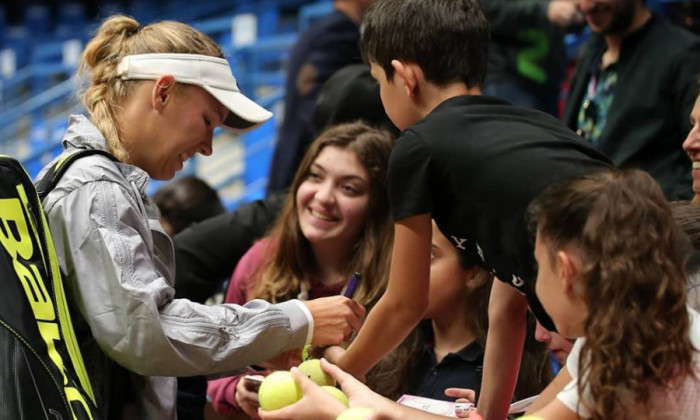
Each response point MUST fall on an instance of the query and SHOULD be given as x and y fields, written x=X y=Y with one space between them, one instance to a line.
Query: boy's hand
x=336 y=318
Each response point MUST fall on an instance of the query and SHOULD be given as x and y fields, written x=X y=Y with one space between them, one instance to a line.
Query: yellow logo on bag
x=17 y=241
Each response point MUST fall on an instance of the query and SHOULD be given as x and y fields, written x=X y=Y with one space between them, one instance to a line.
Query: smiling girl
x=335 y=221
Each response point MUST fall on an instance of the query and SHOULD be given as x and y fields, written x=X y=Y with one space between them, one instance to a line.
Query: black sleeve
x=409 y=178
x=206 y=253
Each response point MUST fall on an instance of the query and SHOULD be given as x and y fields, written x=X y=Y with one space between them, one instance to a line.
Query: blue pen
x=352 y=285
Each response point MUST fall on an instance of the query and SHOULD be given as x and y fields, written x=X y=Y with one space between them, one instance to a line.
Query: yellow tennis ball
x=529 y=418
x=336 y=393
x=356 y=413
x=312 y=369
x=277 y=390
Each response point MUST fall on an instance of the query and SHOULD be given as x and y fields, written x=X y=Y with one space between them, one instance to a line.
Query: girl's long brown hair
x=291 y=257
x=634 y=284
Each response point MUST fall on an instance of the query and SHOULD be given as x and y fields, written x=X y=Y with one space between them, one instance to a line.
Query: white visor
x=211 y=73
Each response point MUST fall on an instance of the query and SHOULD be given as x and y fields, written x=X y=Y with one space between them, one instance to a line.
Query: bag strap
x=55 y=172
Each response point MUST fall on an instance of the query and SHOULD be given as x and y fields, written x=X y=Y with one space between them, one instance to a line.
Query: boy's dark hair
x=448 y=39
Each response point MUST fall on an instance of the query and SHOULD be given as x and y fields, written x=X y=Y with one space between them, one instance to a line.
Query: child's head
x=343 y=174
x=559 y=346
x=447 y=39
x=185 y=201
x=456 y=285
x=610 y=270
x=604 y=236
x=338 y=199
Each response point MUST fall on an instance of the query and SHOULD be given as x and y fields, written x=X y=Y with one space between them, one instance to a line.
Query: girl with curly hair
x=611 y=274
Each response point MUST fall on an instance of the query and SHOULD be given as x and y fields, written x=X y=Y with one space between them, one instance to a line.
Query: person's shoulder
x=261 y=247
x=460 y=115
x=663 y=24
x=574 y=355
x=672 y=37
x=443 y=118
x=90 y=169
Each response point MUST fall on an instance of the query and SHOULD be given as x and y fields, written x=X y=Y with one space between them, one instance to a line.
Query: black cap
x=349 y=95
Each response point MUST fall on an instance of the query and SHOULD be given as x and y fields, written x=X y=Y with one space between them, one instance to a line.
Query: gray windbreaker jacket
x=119 y=268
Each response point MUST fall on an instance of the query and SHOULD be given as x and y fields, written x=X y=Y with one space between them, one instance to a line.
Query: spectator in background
x=527 y=59
x=185 y=201
x=331 y=43
x=633 y=90
x=687 y=214
x=691 y=146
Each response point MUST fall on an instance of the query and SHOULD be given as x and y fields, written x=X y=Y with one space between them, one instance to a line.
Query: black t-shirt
x=474 y=164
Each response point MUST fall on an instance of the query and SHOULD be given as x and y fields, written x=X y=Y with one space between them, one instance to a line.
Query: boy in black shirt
x=472 y=163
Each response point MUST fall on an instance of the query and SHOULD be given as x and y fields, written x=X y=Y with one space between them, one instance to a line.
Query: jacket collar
x=629 y=42
x=83 y=134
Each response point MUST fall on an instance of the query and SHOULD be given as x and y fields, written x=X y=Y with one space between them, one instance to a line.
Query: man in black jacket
x=634 y=88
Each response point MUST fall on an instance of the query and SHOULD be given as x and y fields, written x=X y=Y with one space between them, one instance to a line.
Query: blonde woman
x=154 y=95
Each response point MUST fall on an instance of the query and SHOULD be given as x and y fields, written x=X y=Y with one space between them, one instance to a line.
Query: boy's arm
x=401 y=307
x=504 y=349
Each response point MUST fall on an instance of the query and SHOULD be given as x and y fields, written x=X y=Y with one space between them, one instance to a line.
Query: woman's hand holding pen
x=335 y=319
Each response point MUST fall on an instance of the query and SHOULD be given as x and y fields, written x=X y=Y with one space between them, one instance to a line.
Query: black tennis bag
x=42 y=375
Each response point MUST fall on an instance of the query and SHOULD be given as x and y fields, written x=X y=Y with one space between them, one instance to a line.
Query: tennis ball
x=277 y=390
x=336 y=393
x=529 y=418
x=312 y=369
x=356 y=413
